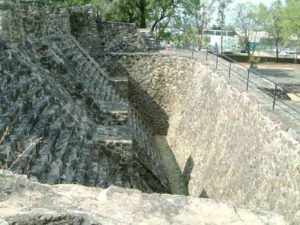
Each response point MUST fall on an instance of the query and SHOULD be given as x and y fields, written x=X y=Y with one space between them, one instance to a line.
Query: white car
x=283 y=53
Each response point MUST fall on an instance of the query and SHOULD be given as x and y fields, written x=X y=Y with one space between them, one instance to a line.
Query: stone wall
x=225 y=144
x=96 y=36
x=143 y=130
x=151 y=91
x=24 y=202
x=4 y=17
x=62 y=120
x=120 y=37
x=145 y=146
x=84 y=27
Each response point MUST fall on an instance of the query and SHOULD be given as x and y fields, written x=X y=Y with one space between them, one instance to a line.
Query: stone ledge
x=22 y=200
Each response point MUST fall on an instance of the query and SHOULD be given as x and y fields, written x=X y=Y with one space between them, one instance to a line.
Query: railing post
x=229 y=72
x=193 y=52
x=206 y=54
x=248 y=77
x=274 y=96
x=217 y=60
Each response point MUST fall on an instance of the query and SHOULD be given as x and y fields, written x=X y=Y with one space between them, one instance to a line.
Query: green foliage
x=253 y=61
x=246 y=22
x=271 y=21
x=189 y=18
x=291 y=21
x=206 y=41
x=116 y=10
x=71 y=2
x=145 y=13
x=194 y=16
x=222 y=5
x=221 y=16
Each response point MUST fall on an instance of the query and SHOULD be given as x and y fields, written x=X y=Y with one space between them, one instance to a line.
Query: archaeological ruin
x=98 y=127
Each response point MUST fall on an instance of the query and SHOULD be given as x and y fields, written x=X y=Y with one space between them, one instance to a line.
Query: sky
x=266 y=2
x=232 y=6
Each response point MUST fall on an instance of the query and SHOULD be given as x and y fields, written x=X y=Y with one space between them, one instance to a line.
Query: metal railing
x=276 y=86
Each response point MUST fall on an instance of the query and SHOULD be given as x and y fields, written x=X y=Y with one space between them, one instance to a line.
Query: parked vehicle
x=213 y=49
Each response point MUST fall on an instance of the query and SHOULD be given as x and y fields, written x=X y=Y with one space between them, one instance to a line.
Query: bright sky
x=231 y=7
x=266 y=2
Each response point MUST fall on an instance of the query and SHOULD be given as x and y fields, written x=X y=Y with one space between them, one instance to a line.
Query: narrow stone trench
x=176 y=180
x=69 y=114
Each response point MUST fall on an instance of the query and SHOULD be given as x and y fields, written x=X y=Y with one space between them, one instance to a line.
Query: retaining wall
x=225 y=144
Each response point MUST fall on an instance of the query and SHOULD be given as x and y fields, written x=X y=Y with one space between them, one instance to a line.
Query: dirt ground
x=279 y=72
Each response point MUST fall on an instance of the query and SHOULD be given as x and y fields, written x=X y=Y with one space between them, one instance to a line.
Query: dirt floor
x=279 y=72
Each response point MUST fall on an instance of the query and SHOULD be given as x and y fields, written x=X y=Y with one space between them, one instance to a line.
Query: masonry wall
x=84 y=27
x=54 y=92
x=226 y=146
x=120 y=37
x=145 y=146
x=145 y=90
x=97 y=36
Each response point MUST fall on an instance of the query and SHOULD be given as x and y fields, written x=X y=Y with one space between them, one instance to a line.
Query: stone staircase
x=106 y=112
x=97 y=85
x=149 y=39
x=62 y=119
x=49 y=136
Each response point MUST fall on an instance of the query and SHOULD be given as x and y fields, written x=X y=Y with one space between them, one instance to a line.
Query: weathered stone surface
x=225 y=144
x=62 y=119
x=99 y=36
x=24 y=202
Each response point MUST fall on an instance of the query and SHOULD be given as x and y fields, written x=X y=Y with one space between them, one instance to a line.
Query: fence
x=219 y=59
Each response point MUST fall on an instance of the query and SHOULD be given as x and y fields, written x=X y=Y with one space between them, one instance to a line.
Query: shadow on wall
x=188 y=168
x=145 y=103
x=157 y=120
x=171 y=168
x=150 y=111
x=153 y=115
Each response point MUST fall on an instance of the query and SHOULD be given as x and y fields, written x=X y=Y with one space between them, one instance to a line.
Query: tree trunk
x=201 y=29
x=248 y=49
x=162 y=28
x=155 y=24
x=221 y=41
x=142 y=8
x=143 y=20
x=277 y=50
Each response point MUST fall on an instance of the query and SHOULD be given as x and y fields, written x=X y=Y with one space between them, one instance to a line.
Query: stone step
x=110 y=147
x=121 y=85
x=106 y=112
x=79 y=63
x=114 y=113
x=122 y=133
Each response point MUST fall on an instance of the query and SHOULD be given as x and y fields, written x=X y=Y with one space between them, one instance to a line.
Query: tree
x=130 y=11
x=145 y=13
x=291 y=23
x=271 y=21
x=197 y=13
x=221 y=17
x=71 y=2
x=162 y=10
x=246 y=24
